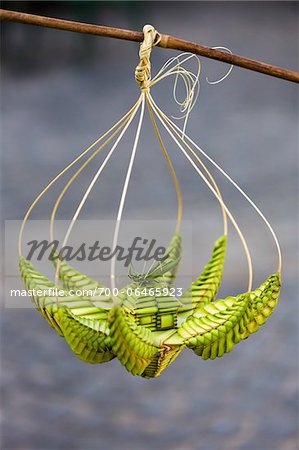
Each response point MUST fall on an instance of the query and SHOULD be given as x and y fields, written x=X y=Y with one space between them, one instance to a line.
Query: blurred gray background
x=60 y=91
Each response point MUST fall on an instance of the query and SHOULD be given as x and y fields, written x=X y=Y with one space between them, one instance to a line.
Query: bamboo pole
x=167 y=41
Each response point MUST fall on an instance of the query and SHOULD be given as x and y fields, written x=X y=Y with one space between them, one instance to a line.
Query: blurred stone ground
x=53 y=105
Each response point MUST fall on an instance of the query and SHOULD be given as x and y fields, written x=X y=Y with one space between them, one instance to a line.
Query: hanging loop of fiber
x=143 y=70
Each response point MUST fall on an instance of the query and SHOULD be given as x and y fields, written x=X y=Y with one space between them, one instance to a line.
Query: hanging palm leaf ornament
x=147 y=332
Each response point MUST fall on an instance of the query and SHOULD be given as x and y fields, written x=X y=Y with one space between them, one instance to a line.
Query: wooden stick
x=166 y=41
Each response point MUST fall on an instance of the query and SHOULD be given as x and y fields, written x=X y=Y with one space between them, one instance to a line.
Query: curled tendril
x=227 y=73
x=175 y=67
x=190 y=78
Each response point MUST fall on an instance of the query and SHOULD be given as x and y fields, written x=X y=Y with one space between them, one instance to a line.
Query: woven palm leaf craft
x=146 y=332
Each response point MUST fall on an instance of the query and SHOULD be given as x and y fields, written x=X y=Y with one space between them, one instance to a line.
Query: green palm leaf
x=214 y=328
x=70 y=278
x=131 y=343
x=83 y=324
x=88 y=343
x=204 y=289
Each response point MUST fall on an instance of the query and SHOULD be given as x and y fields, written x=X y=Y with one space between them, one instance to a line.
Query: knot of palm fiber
x=143 y=71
